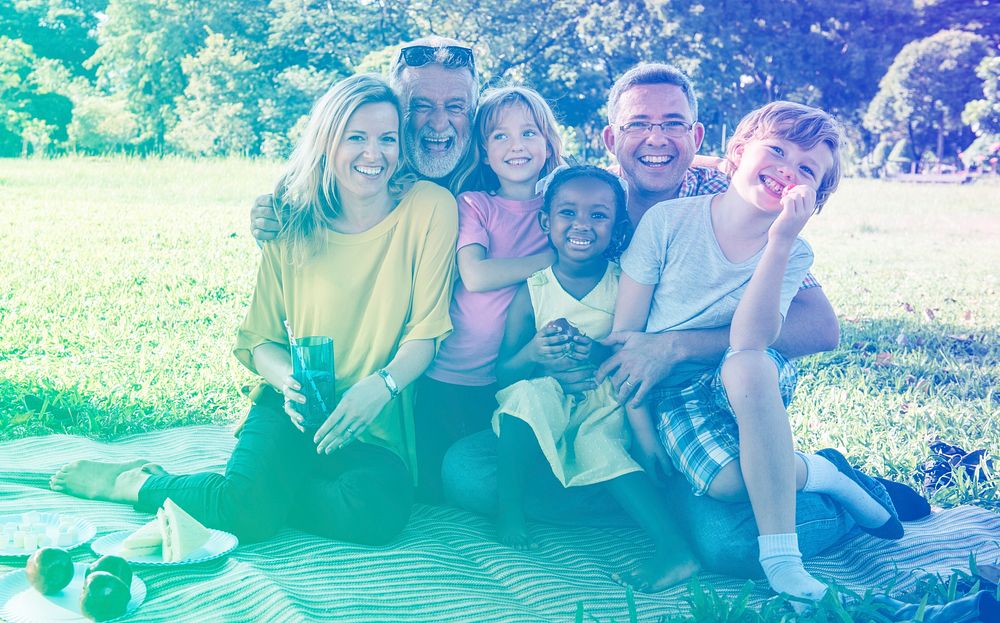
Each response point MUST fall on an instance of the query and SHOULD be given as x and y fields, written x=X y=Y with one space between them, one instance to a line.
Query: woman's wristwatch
x=390 y=383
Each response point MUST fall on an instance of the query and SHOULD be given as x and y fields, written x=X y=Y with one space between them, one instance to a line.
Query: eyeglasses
x=453 y=57
x=673 y=129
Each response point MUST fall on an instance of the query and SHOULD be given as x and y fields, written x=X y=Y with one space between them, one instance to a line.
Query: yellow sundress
x=584 y=437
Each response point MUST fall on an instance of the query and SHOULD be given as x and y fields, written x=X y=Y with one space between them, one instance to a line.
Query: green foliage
x=817 y=52
x=983 y=115
x=840 y=605
x=143 y=44
x=33 y=113
x=278 y=55
x=923 y=93
x=102 y=124
x=62 y=30
x=216 y=115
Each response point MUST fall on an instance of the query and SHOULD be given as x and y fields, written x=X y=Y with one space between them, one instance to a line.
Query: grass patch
x=128 y=278
x=840 y=605
x=125 y=281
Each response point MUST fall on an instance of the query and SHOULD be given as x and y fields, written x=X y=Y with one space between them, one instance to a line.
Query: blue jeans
x=724 y=535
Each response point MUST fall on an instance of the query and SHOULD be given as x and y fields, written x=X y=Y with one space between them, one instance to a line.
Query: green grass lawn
x=125 y=280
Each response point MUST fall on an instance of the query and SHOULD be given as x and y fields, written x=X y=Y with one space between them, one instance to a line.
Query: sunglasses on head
x=453 y=56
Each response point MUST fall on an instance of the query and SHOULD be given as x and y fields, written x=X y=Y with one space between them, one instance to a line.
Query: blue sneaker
x=891 y=529
x=910 y=505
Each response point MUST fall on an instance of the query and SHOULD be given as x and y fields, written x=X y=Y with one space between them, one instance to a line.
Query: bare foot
x=513 y=532
x=95 y=480
x=658 y=573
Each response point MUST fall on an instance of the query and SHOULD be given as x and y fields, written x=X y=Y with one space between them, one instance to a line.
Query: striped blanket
x=444 y=567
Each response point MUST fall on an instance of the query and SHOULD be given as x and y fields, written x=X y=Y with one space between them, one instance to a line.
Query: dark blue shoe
x=910 y=505
x=891 y=529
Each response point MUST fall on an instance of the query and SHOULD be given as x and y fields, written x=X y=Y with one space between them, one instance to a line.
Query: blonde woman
x=363 y=257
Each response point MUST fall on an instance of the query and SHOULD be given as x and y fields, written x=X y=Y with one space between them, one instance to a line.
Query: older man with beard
x=438 y=87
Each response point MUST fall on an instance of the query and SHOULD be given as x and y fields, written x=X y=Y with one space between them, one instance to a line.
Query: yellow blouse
x=370 y=292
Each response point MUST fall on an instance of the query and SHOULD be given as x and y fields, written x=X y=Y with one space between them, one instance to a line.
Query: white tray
x=21 y=603
x=84 y=530
x=219 y=544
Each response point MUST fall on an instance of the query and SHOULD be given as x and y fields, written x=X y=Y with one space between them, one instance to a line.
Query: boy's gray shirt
x=697 y=287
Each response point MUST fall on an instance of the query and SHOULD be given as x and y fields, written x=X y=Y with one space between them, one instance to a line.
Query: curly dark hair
x=623 y=226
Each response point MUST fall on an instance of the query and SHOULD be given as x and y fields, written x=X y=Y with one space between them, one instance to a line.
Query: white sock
x=782 y=563
x=822 y=476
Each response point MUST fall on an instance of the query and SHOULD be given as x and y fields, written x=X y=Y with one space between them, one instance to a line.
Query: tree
x=983 y=116
x=101 y=124
x=56 y=29
x=218 y=111
x=33 y=111
x=975 y=16
x=142 y=44
x=821 y=52
x=923 y=93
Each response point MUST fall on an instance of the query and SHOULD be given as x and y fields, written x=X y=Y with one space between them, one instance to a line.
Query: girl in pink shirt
x=500 y=244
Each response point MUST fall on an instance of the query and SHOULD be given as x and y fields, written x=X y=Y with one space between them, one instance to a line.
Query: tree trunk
x=940 y=145
x=914 y=165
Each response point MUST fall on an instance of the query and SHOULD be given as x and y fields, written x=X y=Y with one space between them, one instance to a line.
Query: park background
x=135 y=135
x=914 y=81
x=146 y=128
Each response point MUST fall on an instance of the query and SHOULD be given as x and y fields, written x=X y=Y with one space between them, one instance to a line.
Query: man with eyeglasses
x=654 y=135
x=438 y=87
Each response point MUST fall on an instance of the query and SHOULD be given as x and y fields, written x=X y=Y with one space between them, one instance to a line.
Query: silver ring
x=350 y=431
x=629 y=383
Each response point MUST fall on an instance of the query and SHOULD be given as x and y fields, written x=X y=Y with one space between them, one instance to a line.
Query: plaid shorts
x=697 y=425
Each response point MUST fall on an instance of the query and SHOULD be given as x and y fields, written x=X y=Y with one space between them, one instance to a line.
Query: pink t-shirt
x=506 y=228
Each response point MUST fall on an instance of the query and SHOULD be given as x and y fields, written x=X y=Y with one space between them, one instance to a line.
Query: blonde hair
x=474 y=171
x=306 y=193
x=803 y=125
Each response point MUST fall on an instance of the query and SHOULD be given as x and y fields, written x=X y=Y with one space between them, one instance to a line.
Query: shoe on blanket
x=891 y=529
x=910 y=505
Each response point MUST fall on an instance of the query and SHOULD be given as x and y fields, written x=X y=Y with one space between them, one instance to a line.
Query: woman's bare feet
x=658 y=573
x=512 y=531
x=95 y=480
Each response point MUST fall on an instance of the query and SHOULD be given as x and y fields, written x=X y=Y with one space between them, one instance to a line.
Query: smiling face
x=368 y=152
x=767 y=166
x=438 y=105
x=653 y=163
x=581 y=219
x=516 y=148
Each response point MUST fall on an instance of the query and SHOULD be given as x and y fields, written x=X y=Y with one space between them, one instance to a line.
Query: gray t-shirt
x=697 y=287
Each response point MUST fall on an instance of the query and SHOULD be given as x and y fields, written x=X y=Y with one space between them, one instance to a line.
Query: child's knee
x=728 y=485
x=748 y=369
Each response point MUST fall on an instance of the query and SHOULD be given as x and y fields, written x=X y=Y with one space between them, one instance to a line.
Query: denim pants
x=361 y=493
x=724 y=535
x=443 y=414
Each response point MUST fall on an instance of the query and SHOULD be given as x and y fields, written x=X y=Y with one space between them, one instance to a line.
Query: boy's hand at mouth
x=798 y=203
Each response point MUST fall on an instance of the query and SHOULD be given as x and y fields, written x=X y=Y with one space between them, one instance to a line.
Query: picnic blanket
x=444 y=567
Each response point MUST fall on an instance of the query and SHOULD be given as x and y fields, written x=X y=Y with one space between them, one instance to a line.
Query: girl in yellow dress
x=557 y=315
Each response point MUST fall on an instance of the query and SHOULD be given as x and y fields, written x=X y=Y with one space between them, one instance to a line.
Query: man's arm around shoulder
x=810 y=326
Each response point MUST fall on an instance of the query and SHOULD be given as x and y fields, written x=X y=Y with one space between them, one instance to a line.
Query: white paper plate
x=219 y=544
x=84 y=530
x=21 y=603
